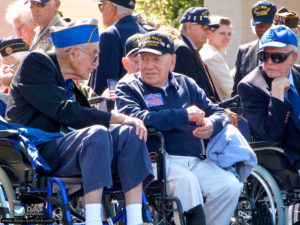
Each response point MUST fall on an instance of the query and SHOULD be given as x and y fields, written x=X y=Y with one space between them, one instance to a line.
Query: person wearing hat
x=13 y=50
x=270 y=93
x=175 y=105
x=45 y=14
x=262 y=18
x=43 y=96
x=19 y=16
x=288 y=18
x=194 y=30
x=117 y=16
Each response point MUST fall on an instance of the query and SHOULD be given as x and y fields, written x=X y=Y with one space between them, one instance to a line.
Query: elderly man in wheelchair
x=175 y=105
x=43 y=96
x=271 y=104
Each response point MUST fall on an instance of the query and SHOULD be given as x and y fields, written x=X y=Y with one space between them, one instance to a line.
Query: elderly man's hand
x=205 y=131
x=119 y=118
x=279 y=86
x=233 y=117
x=195 y=114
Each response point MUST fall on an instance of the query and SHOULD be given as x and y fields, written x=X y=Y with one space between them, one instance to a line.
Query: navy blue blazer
x=269 y=118
x=189 y=63
x=246 y=61
x=111 y=47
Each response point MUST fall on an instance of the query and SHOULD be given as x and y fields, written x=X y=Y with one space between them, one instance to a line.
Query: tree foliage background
x=169 y=11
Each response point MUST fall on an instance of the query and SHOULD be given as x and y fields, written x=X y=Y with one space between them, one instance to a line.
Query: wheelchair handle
x=231 y=102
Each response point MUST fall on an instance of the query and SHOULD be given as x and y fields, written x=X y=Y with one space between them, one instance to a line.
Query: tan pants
x=190 y=179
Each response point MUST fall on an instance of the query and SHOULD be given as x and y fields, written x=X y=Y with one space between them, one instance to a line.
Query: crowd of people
x=162 y=77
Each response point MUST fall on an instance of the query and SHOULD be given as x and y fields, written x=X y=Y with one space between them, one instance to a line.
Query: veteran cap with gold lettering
x=156 y=43
x=263 y=12
x=9 y=46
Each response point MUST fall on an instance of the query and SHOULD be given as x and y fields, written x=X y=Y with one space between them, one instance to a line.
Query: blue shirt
x=166 y=110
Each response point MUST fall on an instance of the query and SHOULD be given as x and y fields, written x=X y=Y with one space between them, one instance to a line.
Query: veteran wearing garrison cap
x=12 y=51
x=171 y=103
x=270 y=93
x=194 y=25
x=262 y=18
x=117 y=16
x=43 y=95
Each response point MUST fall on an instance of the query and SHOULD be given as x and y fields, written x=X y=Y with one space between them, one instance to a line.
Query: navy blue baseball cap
x=278 y=36
x=130 y=4
x=132 y=44
x=263 y=12
x=198 y=15
x=156 y=43
x=39 y=1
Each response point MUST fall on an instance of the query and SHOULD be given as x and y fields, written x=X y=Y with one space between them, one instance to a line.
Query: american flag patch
x=112 y=84
x=154 y=100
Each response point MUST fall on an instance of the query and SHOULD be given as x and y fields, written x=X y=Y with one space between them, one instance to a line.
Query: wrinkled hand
x=195 y=114
x=140 y=129
x=205 y=131
x=279 y=86
x=233 y=117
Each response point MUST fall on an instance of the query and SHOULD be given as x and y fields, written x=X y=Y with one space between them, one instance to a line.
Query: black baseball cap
x=130 y=4
x=132 y=44
x=156 y=43
x=12 y=45
x=197 y=15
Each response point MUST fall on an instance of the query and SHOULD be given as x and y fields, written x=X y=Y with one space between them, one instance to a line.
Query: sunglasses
x=276 y=57
x=101 y=6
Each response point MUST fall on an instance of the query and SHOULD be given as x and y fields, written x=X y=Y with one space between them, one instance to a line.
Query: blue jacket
x=111 y=47
x=166 y=110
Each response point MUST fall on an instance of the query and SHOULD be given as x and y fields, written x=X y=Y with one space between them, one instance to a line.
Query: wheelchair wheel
x=261 y=202
x=7 y=196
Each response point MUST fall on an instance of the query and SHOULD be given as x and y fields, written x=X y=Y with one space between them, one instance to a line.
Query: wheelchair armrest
x=263 y=144
x=154 y=132
x=8 y=133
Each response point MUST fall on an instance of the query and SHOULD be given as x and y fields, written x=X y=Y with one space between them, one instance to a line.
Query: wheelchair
x=32 y=196
x=271 y=193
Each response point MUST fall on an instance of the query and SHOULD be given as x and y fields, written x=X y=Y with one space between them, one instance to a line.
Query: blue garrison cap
x=263 y=12
x=278 y=36
x=40 y=1
x=76 y=33
x=198 y=15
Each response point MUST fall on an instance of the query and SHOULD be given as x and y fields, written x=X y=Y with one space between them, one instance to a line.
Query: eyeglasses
x=276 y=57
x=37 y=5
x=101 y=6
x=94 y=58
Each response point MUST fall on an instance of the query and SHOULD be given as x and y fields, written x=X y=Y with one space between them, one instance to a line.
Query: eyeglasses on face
x=94 y=58
x=101 y=5
x=276 y=57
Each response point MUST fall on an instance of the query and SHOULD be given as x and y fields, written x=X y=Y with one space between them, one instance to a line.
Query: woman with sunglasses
x=270 y=93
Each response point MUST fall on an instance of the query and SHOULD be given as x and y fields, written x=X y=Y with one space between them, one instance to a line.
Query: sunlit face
x=24 y=31
x=155 y=68
x=86 y=61
x=221 y=37
x=133 y=63
x=261 y=28
x=43 y=13
x=198 y=34
x=107 y=12
x=275 y=70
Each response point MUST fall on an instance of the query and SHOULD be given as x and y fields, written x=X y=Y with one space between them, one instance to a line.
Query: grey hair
x=20 y=11
x=182 y=28
x=292 y=48
x=121 y=9
x=19 y=56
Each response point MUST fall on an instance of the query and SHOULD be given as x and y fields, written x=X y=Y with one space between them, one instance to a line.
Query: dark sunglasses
x=276 y=57
x=101 y=6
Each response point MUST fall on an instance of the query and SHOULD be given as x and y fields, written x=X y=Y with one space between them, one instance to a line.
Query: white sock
x=93 y=214
x=134 y=214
